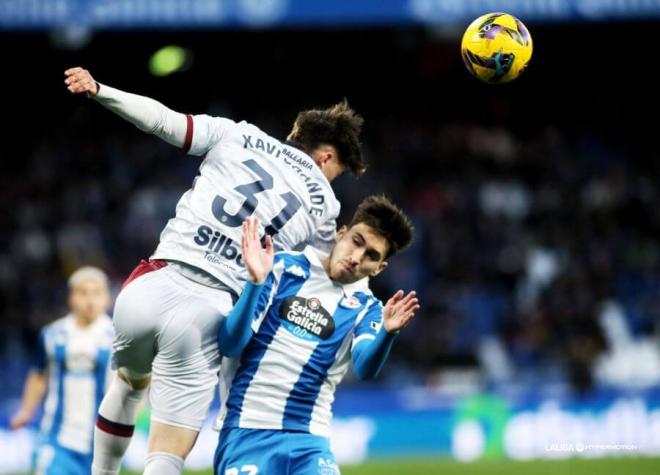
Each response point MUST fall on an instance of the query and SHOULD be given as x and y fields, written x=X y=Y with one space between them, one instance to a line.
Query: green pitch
x=610 y=466
x=563 y=467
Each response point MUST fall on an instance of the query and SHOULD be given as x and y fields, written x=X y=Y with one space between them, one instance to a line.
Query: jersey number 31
x=250 y=191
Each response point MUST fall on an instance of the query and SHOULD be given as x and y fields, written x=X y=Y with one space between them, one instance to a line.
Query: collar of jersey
x=70 y=320
x=288 y=143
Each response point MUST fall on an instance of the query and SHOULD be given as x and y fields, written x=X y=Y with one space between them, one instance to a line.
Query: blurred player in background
x=168 y=314
x=304 y=317
x=70 y=368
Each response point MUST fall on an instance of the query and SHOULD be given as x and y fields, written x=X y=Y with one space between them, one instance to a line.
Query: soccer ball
x=496 y=47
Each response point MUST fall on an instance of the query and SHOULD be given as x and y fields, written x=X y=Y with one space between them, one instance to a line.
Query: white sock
x=163 y=463
x=114 y=426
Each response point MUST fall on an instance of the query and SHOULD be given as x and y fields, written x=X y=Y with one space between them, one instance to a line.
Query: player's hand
x=79 y=81
x=258 y=260
x=19 y=420
x=399 y=310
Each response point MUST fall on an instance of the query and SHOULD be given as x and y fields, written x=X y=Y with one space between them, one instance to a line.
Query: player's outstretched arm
x=145 y=113
x=370 y=355
x=33 y=393
x=236 y=329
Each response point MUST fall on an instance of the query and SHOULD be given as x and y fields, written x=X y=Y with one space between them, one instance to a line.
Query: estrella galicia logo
x=307 y=318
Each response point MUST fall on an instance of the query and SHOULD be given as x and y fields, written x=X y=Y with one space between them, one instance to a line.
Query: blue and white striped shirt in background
x=77 y=360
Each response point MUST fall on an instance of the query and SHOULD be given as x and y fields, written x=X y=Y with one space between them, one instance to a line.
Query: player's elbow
x=364 y=372
x=362 y=376
x=232 y=344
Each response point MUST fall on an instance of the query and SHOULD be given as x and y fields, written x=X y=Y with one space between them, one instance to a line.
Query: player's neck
x=83 y=322
x=325 y=262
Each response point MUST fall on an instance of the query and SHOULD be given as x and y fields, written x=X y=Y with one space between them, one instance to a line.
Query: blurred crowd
x=536 y=257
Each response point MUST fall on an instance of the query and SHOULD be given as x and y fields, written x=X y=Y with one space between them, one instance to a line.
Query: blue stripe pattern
x=100 y=374
x=289 y=285
x=302 y=398
x=60 y=359
x=39 y=359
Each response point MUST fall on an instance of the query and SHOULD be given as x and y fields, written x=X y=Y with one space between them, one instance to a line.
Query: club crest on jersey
x=350 y=302
x=313 y=303
x=307 y=318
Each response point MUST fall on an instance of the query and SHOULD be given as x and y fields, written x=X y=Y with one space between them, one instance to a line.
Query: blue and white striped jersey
x=77 y=360
x=304 y=330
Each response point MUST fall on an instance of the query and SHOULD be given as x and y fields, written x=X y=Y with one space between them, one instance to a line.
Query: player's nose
x=356 y=256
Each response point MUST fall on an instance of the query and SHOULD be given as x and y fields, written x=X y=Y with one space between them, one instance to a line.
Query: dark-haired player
x=299 y=323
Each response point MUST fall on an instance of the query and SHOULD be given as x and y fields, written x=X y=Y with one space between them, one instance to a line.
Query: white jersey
x=305 y=327
x=78 y=361
x=246 y=172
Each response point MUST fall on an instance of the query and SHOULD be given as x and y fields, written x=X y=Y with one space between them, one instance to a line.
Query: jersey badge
x=350 y=302
x=314 y=303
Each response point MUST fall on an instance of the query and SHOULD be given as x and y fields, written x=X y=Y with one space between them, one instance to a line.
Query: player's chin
x=343 y=276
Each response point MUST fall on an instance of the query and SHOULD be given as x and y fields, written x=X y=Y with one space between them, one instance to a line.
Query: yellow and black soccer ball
x=496 y=47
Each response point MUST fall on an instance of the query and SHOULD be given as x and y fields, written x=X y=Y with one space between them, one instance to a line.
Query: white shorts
x=167 y=325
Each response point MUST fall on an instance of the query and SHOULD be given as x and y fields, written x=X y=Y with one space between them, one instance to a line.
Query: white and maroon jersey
x=246 y=172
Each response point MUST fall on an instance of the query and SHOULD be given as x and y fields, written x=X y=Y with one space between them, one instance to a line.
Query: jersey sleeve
x=204 y=131
x=369 y=323
x=248 y=313
x=371 y=343
x=236 y=328
x=268 y=291
x=146 y=114
x=39 y=360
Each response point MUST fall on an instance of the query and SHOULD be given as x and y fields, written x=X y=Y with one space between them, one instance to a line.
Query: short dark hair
x=339 y=126
x=388 y=220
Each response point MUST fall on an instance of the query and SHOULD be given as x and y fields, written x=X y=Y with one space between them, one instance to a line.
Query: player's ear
x=381 y=267
x=324 y=154
x=341 y=232
x=325 y=158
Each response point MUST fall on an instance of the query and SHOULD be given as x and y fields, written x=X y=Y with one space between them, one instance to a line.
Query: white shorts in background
x=167 y=325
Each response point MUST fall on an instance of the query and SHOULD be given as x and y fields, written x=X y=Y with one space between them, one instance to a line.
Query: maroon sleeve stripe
x=114 y=428
x=189 y=134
